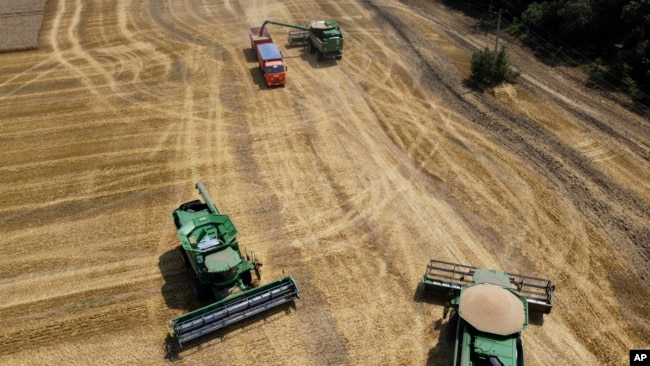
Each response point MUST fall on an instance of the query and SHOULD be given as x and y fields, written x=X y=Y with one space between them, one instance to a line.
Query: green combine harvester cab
x=324 y=37
x=489 y=309
x=209 y=247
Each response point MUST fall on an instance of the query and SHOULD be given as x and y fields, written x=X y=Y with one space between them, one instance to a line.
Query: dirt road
x=349 y=178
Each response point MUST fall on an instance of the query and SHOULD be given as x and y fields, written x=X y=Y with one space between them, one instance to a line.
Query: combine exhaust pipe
x=233 y=309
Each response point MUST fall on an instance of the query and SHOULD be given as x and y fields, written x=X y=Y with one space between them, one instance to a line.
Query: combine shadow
x=441 y=354
x=536 y=318
x=177 y=289
x=429 y=298
x=303 y=55
x=314 y=63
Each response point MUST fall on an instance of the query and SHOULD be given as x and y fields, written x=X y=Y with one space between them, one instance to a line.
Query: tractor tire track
x=349 y=178
x=555 y=159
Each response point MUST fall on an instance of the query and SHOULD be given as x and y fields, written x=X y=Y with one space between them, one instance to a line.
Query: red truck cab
x=269 y=57
x=271 y=64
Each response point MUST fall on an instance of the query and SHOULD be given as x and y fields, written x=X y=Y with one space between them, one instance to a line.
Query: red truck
x=268 y=55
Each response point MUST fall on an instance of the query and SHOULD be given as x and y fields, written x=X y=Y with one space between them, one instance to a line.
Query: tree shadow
x=471 y=8
x=473 y=86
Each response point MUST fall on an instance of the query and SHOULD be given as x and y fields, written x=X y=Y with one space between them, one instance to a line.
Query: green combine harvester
x=324 y=37
x=489 y=309
x=209 y=247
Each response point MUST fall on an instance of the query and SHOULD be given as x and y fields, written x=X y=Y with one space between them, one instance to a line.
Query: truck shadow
x=258 y=78
x=255 y=72
x=249 y=55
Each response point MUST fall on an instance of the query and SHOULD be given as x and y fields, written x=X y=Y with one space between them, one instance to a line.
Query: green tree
x=490 y=69
x=632 y=63
x=575 y=17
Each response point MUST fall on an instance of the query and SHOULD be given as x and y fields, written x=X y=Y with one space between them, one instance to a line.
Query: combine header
x=443 y=277
x=489 y=309
x=209 y=247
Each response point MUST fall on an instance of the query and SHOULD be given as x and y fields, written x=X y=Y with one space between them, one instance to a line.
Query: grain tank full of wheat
x=489 y=309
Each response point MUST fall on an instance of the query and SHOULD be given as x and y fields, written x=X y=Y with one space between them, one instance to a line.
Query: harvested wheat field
x=349 y=178
x=20 y=21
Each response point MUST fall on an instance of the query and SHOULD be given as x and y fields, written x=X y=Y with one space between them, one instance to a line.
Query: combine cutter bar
x=442 y=277
x=233 y=309
x=537 y=291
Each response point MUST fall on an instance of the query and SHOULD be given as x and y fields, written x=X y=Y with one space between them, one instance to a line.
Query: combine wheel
x=247 y=278
x=193 y=206
x=186 y=261
x=452 y=328
x=311 y=46
x=319 y=55
x=201 y=291
x=170 y=347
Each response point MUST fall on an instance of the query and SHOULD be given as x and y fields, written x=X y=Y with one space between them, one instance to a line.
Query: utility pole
x=496 y=43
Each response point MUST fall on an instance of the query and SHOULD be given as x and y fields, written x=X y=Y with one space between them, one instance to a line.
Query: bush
x=490 y=70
